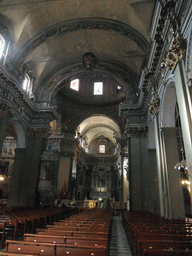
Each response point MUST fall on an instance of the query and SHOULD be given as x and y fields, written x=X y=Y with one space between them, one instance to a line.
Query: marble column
x=138 y=171
x=66 y=164
x=5 y=114
x=154 y=187
x=122 y=179
x=17 y=177
x=185 y=111
x=113 y=182
x=160 y=169
x=174 y=191
x=29 y=170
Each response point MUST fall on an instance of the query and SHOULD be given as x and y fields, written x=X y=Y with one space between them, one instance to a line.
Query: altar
x=90 y=203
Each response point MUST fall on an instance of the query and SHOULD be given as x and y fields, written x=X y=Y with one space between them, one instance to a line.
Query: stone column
x=66 y=164
x=5 y=114
x=174 y=191
x=138 y=169
x=154 y=110
x=113 y=182
x=27 y=169
x=154 y=188
x=185 y=111
x=122 y=179
x=17 y=177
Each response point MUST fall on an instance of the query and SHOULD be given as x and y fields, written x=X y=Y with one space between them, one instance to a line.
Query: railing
x=92 y=204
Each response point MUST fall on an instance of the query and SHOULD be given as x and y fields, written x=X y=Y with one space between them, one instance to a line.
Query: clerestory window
x=2 y=45
x=98 y=88
x=27 y=85
x=102 y=149
x=74 y=85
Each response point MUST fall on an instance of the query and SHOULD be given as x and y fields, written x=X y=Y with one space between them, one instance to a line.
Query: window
x=98 y=88
x=74 y=85
x=27 y=85
x=2 y=45
x=102 y=149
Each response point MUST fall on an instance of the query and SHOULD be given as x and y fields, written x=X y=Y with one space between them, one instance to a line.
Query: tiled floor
x=119 y=245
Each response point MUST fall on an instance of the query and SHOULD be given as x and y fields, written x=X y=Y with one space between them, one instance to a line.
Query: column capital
x=38 y=132
x=154 y=106
x=176 y=52
x=5 y=110
x=136 y=131
x=68 y=144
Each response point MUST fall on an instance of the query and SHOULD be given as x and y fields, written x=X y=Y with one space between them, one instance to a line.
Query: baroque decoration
x=154 y=106
x=89 y=60
x=176 y=53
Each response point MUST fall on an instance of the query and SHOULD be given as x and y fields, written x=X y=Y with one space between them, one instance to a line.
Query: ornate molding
x=136 y=131
x=154 y=107
x=176 y=53
x=68 y=145
x=38 y=132
x=5 y=111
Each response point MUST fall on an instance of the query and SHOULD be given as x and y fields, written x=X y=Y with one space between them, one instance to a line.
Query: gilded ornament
x=154 y=106
x=176 y=53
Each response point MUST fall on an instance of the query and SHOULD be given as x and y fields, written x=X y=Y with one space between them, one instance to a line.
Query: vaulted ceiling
x=51 y=36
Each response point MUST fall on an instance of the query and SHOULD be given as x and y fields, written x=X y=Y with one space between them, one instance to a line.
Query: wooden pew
x=162 y=245
x=157 y=236
x=33 y=248
x=16 y=254
x=73 y=233
x=164 y=252
x=54 y=249
x=66 y=239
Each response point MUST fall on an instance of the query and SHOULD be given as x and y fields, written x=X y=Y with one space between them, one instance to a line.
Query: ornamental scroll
x=176 y=53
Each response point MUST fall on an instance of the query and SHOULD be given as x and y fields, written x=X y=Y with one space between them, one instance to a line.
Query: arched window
x=74 y=85
x=27 y=85
x=102 y=149
x=98 y=88
x=2 y=46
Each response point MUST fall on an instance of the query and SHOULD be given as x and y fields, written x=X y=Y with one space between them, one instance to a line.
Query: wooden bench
x=165 y=252
x=66 y=239
x=56 y=249
x=27 y=247
x=76 y=233
x=162 y=245
x=16 y=254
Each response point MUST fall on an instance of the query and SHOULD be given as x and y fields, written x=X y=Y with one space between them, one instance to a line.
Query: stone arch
x=151 y=136
x=20 y=134
x=168 y=105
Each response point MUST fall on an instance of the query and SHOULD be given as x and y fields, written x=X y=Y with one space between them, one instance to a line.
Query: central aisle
x=118 y=245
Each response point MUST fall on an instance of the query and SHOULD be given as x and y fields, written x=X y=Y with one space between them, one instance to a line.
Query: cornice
x=22 y=106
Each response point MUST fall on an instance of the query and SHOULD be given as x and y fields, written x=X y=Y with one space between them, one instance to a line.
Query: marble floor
x=118 y=245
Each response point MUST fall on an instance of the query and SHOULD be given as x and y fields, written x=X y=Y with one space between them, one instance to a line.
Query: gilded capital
x=154 y=106
x=176 y=53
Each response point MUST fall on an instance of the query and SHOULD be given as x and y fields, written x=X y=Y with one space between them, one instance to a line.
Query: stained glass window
x=98 y=88
x=75 y=84
x=102 y=149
